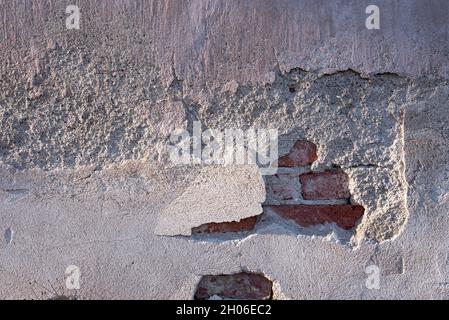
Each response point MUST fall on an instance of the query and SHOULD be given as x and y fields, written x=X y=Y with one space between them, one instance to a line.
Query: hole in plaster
x=242 y=286
x=303 y=201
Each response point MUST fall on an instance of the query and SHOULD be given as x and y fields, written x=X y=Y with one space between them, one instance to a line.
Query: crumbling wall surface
x=86 y=179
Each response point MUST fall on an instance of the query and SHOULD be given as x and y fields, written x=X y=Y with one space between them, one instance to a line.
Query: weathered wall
x=86 y=115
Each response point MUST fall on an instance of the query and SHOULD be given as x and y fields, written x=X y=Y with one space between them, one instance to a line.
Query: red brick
x=325 y=185
x=282 y=186
x=301 y=154
x=222 y=227
x=244 y=285
x=344 y=216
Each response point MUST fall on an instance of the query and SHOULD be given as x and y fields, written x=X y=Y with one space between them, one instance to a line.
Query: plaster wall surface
x=86 y=116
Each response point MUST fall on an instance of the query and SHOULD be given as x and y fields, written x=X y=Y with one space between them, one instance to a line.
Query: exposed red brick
x=325 y=185
x=301 y=154
x=282 y=186
x=222 y=227
x=244 y=285
x=345 y=216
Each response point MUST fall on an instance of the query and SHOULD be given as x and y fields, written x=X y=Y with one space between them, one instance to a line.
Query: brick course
x=223 y=227
x=282 y=186
x=325 y=185
x=344 y=216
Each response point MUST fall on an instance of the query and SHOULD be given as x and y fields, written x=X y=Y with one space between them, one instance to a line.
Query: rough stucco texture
x=86 y=115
